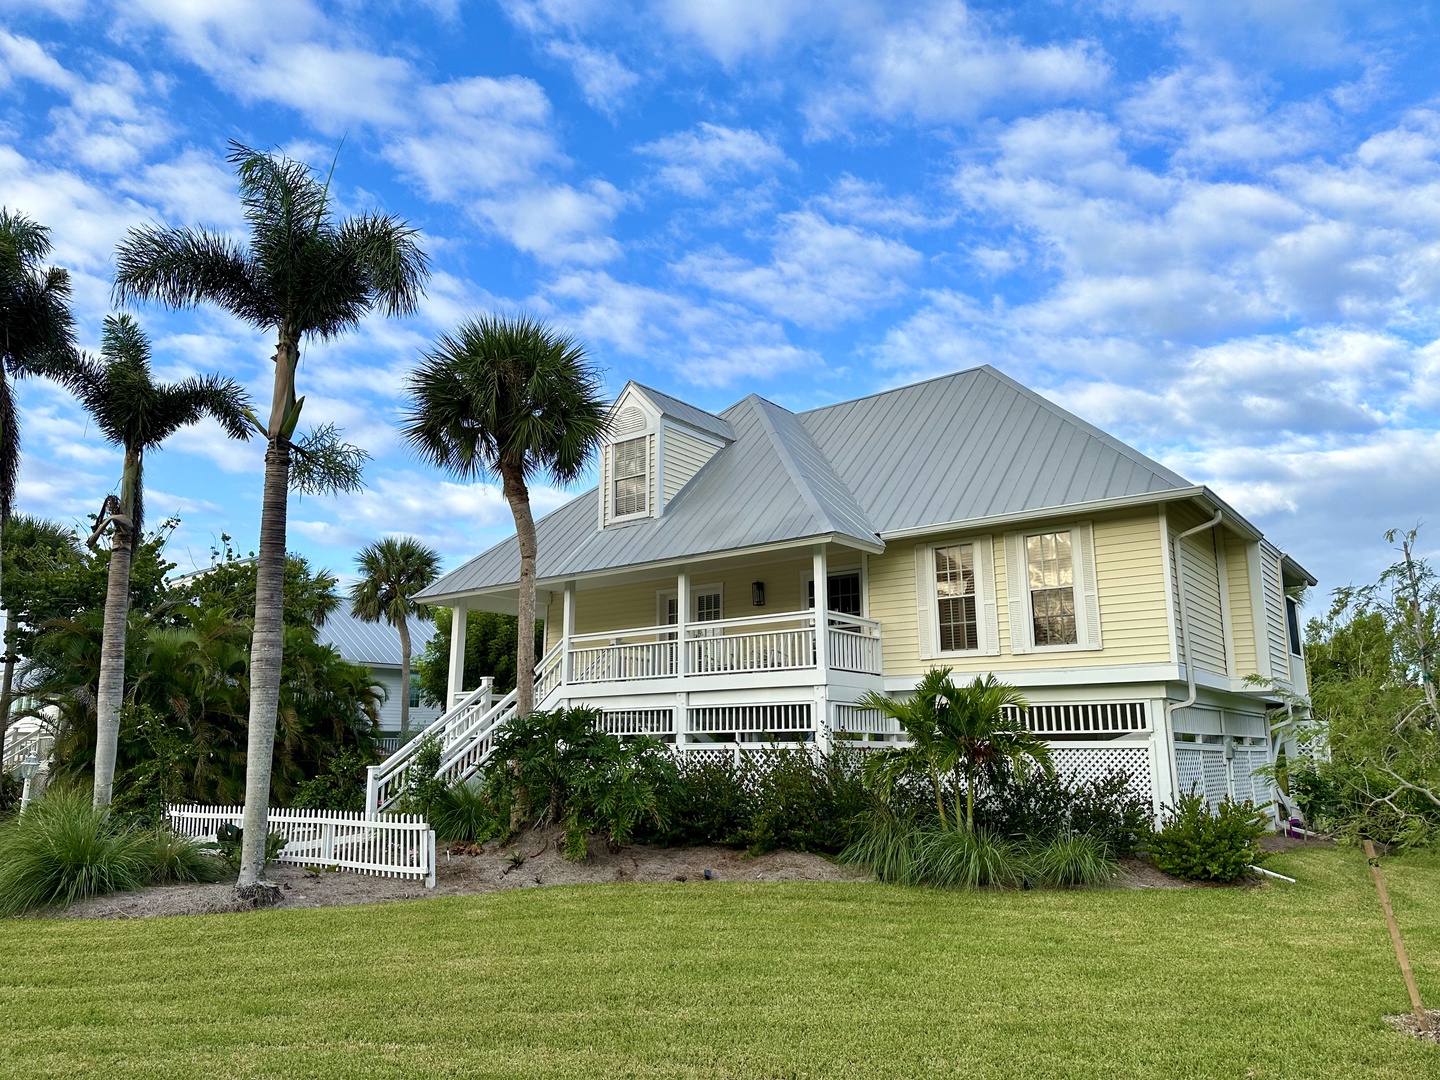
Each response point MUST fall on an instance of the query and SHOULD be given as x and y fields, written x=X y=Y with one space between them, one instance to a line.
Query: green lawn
x=819 y=980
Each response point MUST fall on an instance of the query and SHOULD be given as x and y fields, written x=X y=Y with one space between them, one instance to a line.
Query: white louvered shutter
x=1016 y=580
x=1087 y=607
x=925 y=601
x=989 y=616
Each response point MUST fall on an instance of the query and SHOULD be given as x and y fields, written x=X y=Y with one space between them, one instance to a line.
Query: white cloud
x=559 y=224
x=693 y=161
x=820 y=273
x=731 y=29
x=603 y=79
x=865 y=202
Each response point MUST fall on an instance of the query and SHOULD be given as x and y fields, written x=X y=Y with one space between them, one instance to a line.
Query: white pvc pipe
x=1272 y=873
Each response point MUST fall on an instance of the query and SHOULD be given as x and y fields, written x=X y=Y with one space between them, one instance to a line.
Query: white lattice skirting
x=1093 y=763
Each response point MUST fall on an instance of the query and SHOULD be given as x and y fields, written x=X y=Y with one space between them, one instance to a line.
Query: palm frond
x=182 y=267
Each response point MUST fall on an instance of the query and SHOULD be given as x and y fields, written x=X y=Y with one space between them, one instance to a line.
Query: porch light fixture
x=29 y=769
x=757 y=593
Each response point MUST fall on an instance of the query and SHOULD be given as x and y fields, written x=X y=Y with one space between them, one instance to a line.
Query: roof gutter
x=1171 y=710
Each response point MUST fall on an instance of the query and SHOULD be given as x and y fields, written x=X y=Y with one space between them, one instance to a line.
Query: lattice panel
x=724 y=718
x=1190 y=770
x=1098 y=717
x=638 y=721
x=1247 y=784
x=1093 y=763
x=1217 y=783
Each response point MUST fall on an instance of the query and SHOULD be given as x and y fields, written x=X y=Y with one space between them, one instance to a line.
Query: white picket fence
x=388 y=845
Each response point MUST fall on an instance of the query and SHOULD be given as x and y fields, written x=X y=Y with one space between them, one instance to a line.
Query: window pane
x=958 y=629
x=955 y=594
x=707 y=607
x=628 y=469
x=844 y=590
x=1051 y=570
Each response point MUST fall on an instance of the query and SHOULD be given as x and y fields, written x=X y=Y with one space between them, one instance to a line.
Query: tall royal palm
x=394 y=570
x=303 y=276
x=137 y=414
x=515 y=399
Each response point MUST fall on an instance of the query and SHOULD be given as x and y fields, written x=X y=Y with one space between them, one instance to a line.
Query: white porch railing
x=784 y=641
x=396 y=845
x=549 y=672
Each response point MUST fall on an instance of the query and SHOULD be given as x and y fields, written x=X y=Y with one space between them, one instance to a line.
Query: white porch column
x=682 y=621
x=567 y=631
x=823 y=735
x=456 y=684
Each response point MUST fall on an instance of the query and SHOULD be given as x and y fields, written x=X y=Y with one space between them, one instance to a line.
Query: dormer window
x=630 y=475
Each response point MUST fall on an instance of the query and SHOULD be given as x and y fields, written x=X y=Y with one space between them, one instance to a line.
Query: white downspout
x=1171 y=710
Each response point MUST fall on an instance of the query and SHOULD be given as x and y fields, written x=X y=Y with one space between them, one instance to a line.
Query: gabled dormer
x=655 y=445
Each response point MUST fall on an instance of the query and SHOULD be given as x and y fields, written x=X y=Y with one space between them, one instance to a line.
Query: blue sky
x=1211 y=227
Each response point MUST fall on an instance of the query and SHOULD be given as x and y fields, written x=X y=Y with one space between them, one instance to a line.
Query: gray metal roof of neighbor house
x=375 y=644
x=968 y=446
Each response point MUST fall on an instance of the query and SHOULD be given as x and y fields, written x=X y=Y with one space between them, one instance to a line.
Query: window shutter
x=1088 y=602
x=1015 y=587
x=925 y=601
x=989 y=619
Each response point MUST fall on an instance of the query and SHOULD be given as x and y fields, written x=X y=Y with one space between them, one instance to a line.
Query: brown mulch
x=532 y=859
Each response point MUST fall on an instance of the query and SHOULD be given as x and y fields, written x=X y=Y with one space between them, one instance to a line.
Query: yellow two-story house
x=964 y=522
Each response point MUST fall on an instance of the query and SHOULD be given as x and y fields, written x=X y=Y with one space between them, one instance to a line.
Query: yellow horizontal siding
x=1242 y=613
x=1130 y=580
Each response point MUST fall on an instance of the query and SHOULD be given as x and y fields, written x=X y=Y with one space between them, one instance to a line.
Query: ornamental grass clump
x=62 y=849
x=962 y=858
x=1071 y=861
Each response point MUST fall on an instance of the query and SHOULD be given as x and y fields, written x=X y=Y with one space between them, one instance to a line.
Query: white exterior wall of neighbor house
x=420 y=715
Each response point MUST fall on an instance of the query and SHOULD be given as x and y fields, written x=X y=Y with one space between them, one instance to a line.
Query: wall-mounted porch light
x=757 y=593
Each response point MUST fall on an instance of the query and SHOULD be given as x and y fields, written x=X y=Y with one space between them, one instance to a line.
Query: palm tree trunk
x=518 y=496
x=970 y=800
x=404 y=627
x=111 y=690
x=939 y=796
x=267 y=645
x=7 y=681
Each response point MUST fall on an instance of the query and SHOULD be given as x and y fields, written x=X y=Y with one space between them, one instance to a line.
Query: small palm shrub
x=1073 y=860
x=465 y=815
x=61 y=850
x=1204 y=845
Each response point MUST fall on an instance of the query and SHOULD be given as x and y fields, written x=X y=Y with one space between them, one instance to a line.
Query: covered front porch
x=713 y=655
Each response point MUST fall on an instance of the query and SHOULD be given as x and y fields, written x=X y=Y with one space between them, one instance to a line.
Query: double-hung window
x=1050 y=562
x=630 y=480
x=955 y=598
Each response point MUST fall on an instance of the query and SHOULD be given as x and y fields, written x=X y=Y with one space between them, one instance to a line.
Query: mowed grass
x=721 y=979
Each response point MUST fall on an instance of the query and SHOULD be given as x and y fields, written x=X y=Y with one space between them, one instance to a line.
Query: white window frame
x=1087 y=603
x=664 y=596
x=987 y=627
x=610 y=479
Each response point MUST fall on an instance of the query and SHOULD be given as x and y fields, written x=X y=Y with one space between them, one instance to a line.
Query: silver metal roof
x=375 y=644
x=967 y=446
x=685 y=413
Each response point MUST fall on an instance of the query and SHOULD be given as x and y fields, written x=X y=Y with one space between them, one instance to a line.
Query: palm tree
x=972 y=732
x=394 y=569
x=515 y=399
x=137 y=414
x=36 y=329
x=303 y=276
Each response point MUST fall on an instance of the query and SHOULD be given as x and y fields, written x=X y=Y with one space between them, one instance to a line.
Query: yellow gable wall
x=1242 y=617
x=1130 y=578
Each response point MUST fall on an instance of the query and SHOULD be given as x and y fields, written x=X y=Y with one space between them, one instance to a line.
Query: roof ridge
x=897 y=389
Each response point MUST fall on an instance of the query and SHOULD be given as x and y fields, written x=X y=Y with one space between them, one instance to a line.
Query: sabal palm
x=35 y=329
x=137 y=414
x=515 y=399
x=970 y=732
x=303 y=276
x=393 y=570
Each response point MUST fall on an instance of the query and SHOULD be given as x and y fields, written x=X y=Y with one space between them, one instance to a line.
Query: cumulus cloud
x=603 y=79
x=693 y=162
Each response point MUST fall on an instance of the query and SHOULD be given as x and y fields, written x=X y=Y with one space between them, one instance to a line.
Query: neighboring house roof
x=967 y=446
x=374 y=644
x=685 y=413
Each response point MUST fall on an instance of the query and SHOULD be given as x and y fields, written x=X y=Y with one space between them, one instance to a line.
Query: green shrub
x=465 y=815
x=803 y=801
x=230 y=839
x=1073 y=860
x=713 y=802
x=173 y=858
x=340 y=784
x=61 y=850
x=422 y=787
x=625 y=791
x=1204 y=845
x=10 y=790
x=1042 y=808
